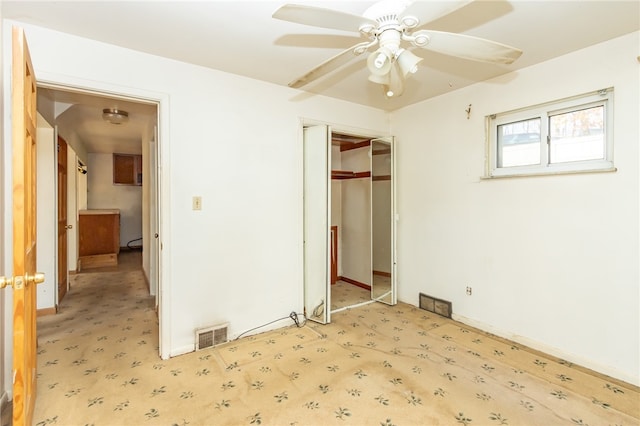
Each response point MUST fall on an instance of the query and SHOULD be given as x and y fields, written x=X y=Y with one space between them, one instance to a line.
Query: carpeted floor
x=373 y=365
x=344 y=294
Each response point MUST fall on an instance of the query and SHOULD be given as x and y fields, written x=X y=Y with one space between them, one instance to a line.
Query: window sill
x=549 y=173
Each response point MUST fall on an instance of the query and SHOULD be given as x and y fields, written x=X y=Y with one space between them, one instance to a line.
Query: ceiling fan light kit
x=387 y=24
x=379 y=79
x=408 y=62
x=396 y=83
x=379 y=62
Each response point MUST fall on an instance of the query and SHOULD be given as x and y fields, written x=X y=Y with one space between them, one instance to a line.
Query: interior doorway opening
x=360 y=221
x=77 y=115
x=349 y=240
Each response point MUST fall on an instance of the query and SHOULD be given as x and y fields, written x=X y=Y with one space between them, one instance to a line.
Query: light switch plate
x=197 y=203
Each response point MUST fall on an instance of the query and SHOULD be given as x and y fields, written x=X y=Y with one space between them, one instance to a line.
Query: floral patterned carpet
x=373 y=365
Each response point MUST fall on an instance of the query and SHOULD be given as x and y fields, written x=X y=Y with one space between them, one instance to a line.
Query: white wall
x=103 y=194
x=239 y=259
x=236 y=143
x=47 y=216
x=82 y=190
x=553 y=261
x=73 y=237
x=149 y=203
x=356 y=218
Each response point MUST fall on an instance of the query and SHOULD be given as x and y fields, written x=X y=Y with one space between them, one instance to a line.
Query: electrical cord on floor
x=293 y=315
x=130 y=247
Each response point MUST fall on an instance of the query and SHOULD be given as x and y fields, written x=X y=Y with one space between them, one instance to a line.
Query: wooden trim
x=382 y=274
x=99 y=260
x=382 y=151
x=341 y=174
x=362 y=175
x=47 y=311
x=350 y=146
x=346 y=174
x=356 y=283
x=381 y=177
x=334 y=254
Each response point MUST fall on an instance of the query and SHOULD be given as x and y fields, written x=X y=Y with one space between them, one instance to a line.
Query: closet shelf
x=346 y=174
x=381 y=177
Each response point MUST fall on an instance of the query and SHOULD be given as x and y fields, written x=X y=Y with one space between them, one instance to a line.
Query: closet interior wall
x=351 y=213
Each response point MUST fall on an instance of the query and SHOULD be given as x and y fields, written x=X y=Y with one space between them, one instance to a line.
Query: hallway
x=105 y=325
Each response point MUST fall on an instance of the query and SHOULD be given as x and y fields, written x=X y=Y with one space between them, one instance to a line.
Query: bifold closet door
x=317 y=208
x=383 y=283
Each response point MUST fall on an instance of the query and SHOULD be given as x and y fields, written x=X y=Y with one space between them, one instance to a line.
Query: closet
x=350 y=209
x=349 y=220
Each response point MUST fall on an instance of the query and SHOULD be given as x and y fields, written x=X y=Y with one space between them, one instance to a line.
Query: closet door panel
x=383 y=222
x=317 y=208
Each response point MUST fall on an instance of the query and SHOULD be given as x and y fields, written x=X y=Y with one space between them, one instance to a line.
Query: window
x=566 y=136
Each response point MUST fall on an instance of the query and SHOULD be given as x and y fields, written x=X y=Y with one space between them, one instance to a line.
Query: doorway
x=349 y=221
x=75 y=109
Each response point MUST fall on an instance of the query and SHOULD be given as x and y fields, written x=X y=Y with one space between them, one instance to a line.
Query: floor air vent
x=437 y=306
x=211 y=336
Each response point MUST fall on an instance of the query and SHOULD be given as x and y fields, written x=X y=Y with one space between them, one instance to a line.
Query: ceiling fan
x=390 y=26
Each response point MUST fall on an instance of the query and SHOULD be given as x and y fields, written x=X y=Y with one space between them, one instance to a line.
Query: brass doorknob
x=69 y=227
x=4 y=282
x=18 y=282
x=37 y=278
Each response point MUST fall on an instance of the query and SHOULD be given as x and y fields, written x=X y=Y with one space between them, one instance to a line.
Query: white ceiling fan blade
x=467 y=47
x=329 y=65
x=320 y=17
x=427 y=11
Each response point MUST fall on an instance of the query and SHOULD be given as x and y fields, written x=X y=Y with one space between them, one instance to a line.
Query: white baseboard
x=550 y=350
x=182 y=350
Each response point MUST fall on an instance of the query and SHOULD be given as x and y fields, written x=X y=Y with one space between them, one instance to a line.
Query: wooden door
x=63 y=267
x=24 y=230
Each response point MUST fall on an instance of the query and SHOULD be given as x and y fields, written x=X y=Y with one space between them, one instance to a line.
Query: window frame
x=544 y=111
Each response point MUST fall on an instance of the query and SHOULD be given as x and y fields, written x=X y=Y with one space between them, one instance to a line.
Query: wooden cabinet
x=99 y=238
x=127 y=169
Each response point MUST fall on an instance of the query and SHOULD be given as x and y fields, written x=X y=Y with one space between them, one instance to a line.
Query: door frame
x=353 y=131
x=162 y=208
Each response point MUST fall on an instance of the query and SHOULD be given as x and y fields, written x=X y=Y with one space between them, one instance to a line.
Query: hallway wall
x=103 y=194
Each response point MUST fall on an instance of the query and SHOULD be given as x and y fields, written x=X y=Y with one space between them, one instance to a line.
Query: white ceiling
x=240 y=37
x=82 y=113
